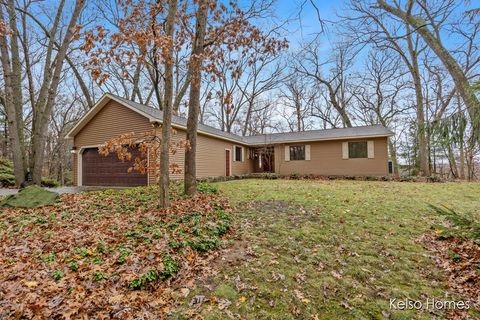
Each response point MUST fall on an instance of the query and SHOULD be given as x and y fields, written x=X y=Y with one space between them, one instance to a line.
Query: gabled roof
x=156 y=115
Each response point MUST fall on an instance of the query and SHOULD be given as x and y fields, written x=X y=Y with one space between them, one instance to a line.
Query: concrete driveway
x=60 y=190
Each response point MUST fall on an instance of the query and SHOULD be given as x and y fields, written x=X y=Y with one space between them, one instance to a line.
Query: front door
x=227 y=163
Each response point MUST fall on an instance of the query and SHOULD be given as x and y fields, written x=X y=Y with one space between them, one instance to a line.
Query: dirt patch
x=460 y=259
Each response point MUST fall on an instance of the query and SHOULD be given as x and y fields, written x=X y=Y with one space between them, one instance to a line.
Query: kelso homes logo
x=428 y=304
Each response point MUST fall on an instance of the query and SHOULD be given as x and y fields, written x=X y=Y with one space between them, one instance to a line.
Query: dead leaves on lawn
x=460 y=259
x=79 y=258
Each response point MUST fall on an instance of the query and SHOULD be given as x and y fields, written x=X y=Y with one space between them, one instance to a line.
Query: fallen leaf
x=31 y=284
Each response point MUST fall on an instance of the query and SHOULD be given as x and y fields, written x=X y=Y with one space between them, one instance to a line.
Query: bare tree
x=310 y=64
x=297 y=99
x=41 y=99
x=426 y=19
x=380 y=95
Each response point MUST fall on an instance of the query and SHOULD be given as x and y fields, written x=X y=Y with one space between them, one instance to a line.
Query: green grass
x=331 y=249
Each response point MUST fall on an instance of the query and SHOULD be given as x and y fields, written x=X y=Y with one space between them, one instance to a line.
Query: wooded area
x=412 y=66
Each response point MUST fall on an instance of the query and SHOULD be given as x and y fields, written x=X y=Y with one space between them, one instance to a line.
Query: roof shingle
x=286 y=137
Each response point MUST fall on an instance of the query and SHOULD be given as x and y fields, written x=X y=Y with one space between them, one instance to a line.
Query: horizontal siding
x=115 y=119
x=111 y=121
x=326 y=159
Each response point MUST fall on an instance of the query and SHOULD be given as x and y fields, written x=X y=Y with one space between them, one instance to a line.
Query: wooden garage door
x=98 y=170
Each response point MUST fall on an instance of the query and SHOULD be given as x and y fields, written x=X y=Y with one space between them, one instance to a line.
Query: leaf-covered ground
x=334 y=250
x=107 y=254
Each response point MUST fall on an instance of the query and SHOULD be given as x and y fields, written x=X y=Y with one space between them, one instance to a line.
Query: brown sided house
x=358 y=151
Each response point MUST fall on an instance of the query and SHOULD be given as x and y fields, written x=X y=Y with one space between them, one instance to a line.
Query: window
x=238 y=153
x=297 y=152
x=357 y=149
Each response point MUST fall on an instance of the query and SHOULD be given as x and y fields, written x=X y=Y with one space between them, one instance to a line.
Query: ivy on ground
x=101 y=253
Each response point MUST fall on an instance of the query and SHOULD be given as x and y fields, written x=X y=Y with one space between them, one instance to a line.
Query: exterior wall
x=326 y=159
x=111 y=121
x=115 y=119
x=74 y=169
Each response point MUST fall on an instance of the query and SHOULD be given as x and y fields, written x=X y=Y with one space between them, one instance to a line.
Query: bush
x=49 y=182
x=6 y=166
x=7 y=180
x=206 y=187
x=294 y=176
x=271 y=176
x=434 y=179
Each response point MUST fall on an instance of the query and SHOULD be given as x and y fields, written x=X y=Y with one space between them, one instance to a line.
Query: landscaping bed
x=107 y=254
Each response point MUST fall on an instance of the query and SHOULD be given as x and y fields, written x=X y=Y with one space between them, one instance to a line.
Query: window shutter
x=234 y=153
x=287 y=153
x=370 y=149
x=243 y=154
x=307 y=152
x=344 y=150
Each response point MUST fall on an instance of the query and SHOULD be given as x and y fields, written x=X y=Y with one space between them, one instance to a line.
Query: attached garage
x=98 y=170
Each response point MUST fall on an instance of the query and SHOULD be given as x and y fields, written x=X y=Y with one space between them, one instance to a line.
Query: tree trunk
x=461 y=82
x=421 y=129
x=46 y=99
x=452 y=161
x=190 y=179
x=13 y=94
x=462 y=161
x=164 y=183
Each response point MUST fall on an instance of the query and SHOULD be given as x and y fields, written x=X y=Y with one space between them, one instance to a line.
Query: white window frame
x=242 y=155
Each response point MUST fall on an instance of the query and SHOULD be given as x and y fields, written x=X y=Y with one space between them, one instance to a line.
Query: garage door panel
x=98 y=170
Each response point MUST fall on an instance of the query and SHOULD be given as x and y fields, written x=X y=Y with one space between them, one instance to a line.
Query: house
x=359 y=151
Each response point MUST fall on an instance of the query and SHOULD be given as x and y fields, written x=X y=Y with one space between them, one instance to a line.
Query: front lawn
x=287 y=249
x=331 y=250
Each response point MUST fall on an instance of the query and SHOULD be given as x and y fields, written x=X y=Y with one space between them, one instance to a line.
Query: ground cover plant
x=106 y=254
x=333 y=250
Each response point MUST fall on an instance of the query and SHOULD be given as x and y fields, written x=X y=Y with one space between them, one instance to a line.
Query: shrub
x=7 y=180
x=205 y=187
x=434 y=179
x=294 y=176
x=49 y=182
x=271 y=176
x=6 y=166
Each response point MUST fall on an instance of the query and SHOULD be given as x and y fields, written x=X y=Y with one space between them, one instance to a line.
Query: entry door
x=227 y=163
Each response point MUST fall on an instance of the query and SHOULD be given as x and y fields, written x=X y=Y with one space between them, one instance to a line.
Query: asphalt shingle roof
x=310 y=135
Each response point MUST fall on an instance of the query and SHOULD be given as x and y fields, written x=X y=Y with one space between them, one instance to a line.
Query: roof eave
x=321 y=139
